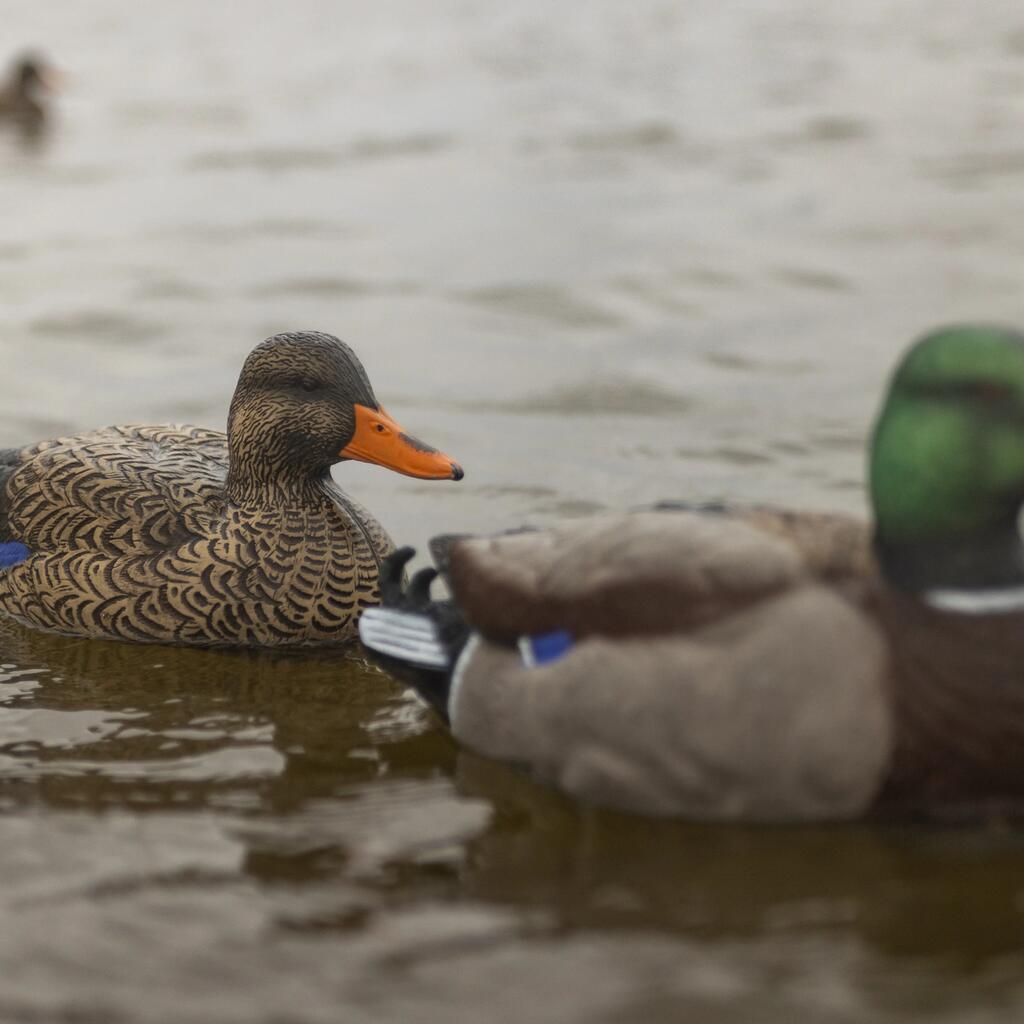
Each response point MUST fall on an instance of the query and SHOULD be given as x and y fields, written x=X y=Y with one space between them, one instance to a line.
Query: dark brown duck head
x=303 y=402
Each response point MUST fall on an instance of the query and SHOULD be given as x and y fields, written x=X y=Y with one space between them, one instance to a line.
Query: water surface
x=602 y=254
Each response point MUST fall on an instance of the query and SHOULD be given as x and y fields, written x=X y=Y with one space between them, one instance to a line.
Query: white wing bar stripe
x=405 y=635
x=977 y=602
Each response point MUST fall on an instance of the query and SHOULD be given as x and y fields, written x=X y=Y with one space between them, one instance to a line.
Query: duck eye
x=380 y=428
x=309 y=385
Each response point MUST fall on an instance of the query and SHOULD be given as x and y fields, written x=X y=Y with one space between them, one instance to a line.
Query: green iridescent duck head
x=947 y=461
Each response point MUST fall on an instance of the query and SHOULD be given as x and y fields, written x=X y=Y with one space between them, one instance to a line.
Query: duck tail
x=9 y=459
x=413 y=637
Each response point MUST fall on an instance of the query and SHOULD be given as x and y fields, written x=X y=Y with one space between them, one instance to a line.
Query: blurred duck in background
x=25 y=93
x=759 y=664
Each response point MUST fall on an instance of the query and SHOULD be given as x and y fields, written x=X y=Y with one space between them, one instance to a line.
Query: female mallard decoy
x=185 y=535
x=762 y=665
x=22 y=96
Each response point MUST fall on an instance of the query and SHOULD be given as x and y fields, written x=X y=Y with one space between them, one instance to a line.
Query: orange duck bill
x=380 y=440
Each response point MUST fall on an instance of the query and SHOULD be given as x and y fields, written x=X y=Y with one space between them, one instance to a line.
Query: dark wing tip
x=392 y=572
x=418 y=592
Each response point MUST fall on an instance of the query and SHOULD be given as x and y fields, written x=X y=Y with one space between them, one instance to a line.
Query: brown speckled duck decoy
x=759 y=665
x=179 y=534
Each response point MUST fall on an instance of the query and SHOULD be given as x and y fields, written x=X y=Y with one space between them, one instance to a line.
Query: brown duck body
x=744 y=665
x=956 y=684
x=134 y=536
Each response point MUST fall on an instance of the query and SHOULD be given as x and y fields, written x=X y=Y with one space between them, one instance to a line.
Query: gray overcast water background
x=601 y=253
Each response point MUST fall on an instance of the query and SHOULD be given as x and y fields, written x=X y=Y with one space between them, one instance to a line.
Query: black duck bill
x=379 y=439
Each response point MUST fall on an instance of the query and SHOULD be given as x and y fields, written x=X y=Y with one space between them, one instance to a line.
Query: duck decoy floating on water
x=758 y=664
x=180 y=534
x=23 y=95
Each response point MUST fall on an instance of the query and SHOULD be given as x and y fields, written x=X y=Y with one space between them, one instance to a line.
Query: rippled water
x=601 y=253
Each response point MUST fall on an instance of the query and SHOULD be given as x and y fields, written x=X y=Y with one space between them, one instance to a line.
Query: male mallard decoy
x=184 y=535
x=761 y=665
x=22 y=95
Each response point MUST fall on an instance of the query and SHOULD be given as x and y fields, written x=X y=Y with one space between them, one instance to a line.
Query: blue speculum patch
x=12 y=553
x=543 y=648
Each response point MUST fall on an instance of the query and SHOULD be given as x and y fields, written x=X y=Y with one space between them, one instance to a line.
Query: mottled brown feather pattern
x=118 y=490
x=134 y=538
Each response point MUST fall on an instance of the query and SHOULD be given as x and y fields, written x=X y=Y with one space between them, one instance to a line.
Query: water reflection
x=905 y=891
x=309 y=796
x=99 y=724
x=31 y=134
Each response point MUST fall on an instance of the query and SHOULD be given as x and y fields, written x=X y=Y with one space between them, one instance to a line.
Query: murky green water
x=601 y=253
